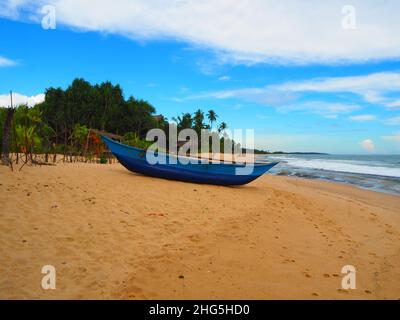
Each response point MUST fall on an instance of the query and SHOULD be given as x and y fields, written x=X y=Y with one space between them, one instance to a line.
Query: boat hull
x=206 y=173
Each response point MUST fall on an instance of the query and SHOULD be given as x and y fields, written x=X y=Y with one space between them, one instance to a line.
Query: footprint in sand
x=194 y=238
x=133 y=291
x=343 y=291
x=288 y=261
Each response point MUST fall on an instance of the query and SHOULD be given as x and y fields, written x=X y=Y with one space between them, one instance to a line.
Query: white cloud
x=280 y=100
x=363 y=117
x=10 y=8
x=20 y=99
x=377 y=88
x=373 y=88
x=268 y=96
x=285 y=97
x=274 y=142
x=224 y=78
x=4 y=62
x=368 y=145
x=324 y=109
x=394 y=137
x=382 y=81
x=239 y=31
x=394 y=104
x=393 y=121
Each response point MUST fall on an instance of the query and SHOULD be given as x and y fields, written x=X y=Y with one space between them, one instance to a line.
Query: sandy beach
x=111 y=233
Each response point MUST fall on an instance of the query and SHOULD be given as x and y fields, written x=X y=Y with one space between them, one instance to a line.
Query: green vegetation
x=101 y=107
x=132 y=139
x=63 y=123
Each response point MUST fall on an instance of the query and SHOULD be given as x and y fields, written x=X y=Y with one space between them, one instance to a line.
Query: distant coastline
x=256 y=151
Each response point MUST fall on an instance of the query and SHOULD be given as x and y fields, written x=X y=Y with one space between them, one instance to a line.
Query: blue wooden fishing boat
x=222 y=173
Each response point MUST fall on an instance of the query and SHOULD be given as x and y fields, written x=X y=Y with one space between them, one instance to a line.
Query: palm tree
x=212 y=117
x=198 y=118
x=222 y=127
x=184 y=122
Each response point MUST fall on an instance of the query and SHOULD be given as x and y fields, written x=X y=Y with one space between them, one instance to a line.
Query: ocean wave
x=342 y=166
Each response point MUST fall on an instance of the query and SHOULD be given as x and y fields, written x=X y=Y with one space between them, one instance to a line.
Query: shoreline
x=372 y=172
x=243 y=158
x=111 y=233
x=345 y=183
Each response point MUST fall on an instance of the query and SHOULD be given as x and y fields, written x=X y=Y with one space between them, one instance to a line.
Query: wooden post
x=15 y=141
x=87 y=145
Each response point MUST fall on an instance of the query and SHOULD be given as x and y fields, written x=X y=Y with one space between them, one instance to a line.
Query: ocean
x=374 y=172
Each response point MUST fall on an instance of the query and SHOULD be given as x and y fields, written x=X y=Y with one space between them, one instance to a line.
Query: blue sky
x=326 y=91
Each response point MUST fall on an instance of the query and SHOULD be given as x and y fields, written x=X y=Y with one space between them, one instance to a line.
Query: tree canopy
x=101 y=106
x=62 y=121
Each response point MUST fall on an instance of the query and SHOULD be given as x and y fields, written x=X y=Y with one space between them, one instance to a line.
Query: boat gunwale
x=259 y=164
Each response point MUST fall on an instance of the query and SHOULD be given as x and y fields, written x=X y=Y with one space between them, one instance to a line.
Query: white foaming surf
x=348 y=166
